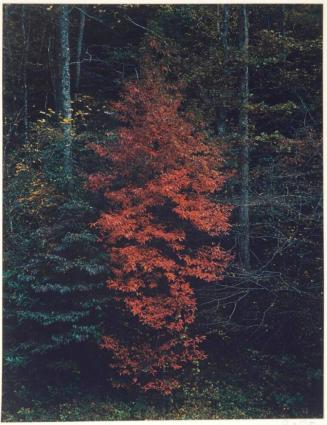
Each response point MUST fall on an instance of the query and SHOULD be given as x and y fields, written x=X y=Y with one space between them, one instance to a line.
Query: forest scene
x=162 y=212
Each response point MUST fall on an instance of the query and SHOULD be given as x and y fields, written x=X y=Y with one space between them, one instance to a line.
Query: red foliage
x=160 y=230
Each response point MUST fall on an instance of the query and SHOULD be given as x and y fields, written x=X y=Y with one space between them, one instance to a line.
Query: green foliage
x=55 y=295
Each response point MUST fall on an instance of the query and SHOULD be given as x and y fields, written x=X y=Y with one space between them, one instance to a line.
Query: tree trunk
x=221 y=120
x=65 y=97
x=244 y=132
x=24 y=76
x=79 y=49
x=218 y=18
x=283 y=31
x=53 y=49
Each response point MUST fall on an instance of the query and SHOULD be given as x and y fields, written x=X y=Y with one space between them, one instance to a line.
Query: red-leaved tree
x=160 y=230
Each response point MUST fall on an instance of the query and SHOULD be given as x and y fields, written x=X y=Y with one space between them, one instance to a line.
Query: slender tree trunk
x=283 y=31
x=244 y=131
x=225 y=28
x=53 y=73
x=221 y=121
x=79 y=49
x=24 y=75
x=218 y=18
x=65 y=96
x=7 y=43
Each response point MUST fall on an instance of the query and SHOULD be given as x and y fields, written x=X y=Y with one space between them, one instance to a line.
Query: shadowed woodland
x=162 y=212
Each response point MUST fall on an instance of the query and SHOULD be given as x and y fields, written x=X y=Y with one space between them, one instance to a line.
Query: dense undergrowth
x=251 y=386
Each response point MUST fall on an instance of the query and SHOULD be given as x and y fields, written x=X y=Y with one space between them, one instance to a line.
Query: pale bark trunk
x=65 y=96
x=221 y=121
x=79 y=49
x=24 y=75
x=244 y=131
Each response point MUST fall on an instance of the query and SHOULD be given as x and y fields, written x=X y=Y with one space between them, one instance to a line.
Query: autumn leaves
x=159 y=231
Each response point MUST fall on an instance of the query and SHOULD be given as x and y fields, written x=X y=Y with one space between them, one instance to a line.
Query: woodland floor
x=260 y=388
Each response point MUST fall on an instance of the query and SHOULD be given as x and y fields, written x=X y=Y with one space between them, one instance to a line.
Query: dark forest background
x=252 y=76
